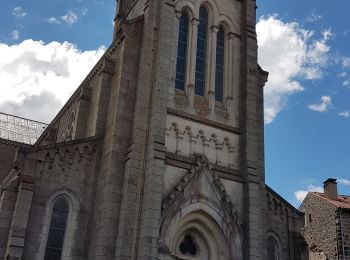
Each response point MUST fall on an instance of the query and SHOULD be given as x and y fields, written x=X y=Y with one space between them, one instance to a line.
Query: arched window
x=181 y=53
x=219 y=68
x=272 y=249
x=201 y=56
x=54 y=245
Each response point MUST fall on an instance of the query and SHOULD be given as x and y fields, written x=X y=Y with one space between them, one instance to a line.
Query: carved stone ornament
x=191 y=140
x=199 y=209
x=201 y=167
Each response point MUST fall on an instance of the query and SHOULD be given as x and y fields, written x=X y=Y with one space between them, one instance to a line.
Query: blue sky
x=46 y=47
x=304 y=147
x=88 y=24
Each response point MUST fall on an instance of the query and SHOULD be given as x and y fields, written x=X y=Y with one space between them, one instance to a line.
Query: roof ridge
x=322 y=193
x=342 y=201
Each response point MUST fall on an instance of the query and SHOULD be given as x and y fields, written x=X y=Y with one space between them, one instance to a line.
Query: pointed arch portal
x=197 y=222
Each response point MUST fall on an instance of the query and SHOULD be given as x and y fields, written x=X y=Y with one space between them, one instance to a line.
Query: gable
x=200 y=182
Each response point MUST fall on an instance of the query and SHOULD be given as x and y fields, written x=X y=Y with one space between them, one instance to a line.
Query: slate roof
x=21 y=130
x=342 y=202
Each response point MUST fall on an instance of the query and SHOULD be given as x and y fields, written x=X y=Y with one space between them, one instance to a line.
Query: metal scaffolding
x=19 y=129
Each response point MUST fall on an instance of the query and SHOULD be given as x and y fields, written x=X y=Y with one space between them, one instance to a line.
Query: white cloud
x=15 y=35
x=53 y=20
x=84 y=11
x=314 y=17
x=69 y=18
x=342 y=75
x=289 y=53
x=345 y=114
x=38 y=78
x=18 y=12
x=327 y=34
x=326 y=101
x=344 y=182
x=346 y=83
x=345 y=61
x=301 y=194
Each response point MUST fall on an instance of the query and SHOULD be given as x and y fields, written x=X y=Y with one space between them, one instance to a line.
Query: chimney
x=330 y=189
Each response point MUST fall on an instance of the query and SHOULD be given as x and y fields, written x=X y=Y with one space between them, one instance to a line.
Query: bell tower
x=194 y=174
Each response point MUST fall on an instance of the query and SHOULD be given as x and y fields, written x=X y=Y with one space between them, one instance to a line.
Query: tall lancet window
x=54 y=245
x=219 y=73
x=201 y=57
x=272 y=249
x=181 y=53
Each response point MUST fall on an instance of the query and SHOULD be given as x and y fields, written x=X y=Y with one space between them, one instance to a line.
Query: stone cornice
x=205 y=121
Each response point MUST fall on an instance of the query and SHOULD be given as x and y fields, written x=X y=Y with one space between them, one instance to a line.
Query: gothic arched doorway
x=198 y=236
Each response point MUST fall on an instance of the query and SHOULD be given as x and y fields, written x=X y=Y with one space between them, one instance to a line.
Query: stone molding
x=201 y=166
x=186 y=162
x=183 y=201
x=189 y=139
x=197 y=118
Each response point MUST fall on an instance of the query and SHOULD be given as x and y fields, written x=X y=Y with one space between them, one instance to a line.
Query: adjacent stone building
x=327 y=223
x=159 y=153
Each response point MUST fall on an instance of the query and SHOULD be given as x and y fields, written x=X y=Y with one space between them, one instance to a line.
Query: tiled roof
x=20 y=129
x=342 y=202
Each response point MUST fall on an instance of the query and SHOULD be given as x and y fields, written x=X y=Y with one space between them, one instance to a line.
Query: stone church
x=159 y=153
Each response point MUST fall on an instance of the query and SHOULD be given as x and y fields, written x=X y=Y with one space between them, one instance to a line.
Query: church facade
x=159 y=153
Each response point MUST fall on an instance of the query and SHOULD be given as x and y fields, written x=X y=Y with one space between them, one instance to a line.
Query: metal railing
x=20 y=129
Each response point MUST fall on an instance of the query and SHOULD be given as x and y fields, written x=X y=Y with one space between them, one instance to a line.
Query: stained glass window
x=57 y=230
x=219 y=73
x=181 y=53
x=201 y=56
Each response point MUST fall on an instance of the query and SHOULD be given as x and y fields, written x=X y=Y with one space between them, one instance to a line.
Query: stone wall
x=283 y=222
x=8 y=151
x=318 y=256
x=68 y=170
x=7 y=206
x=27 y=195
x=116 y=108
x=137 y=8
x=320 y=226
